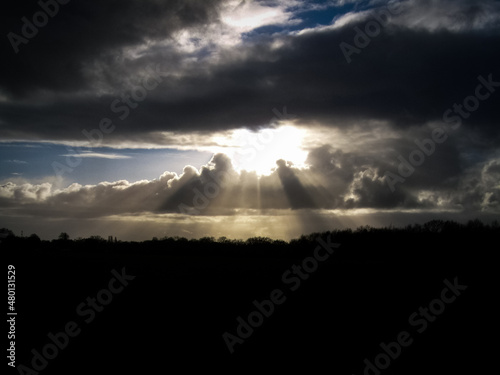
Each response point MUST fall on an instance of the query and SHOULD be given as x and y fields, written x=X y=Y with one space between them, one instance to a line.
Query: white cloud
x=333 y=180
x=16 y=161
x=244 y=16
x=26 y=192
x=97 y=155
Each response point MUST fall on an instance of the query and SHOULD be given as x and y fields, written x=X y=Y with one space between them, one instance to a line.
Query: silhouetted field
x=187 y=293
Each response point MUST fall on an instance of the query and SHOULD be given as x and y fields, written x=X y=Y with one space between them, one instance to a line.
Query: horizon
x=494 y=223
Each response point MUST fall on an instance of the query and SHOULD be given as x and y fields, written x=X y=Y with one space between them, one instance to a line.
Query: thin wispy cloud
x=16 y=161
x=97 y=155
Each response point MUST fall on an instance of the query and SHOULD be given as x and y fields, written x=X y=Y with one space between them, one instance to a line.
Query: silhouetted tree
x=97 y=238
x=475 y=224
x=259 y=241
x=4 y=232
x=207 y=240
x=434 y=226
x=64 y=236
x=34 y=238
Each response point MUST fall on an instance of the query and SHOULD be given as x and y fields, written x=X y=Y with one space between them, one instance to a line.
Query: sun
x=259 y=151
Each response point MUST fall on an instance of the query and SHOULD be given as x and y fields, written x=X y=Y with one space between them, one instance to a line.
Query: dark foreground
x=425 y=294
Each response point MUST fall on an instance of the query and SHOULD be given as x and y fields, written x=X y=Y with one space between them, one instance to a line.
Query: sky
x=149 y=118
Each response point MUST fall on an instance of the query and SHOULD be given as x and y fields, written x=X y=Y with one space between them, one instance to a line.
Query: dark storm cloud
x=406 y=75
x=83 y=31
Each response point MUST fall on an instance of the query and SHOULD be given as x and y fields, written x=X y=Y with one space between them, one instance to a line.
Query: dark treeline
x=188 y=292
x=439 y=236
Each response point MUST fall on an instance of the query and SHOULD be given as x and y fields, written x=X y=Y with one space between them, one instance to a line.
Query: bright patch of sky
x=312 y=15
x=35 y=160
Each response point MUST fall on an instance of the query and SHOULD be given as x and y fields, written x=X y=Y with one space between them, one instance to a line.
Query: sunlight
x=244 y=17
x=259 y=151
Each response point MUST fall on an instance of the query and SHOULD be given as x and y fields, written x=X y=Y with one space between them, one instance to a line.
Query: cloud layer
x=425 y=59
x=335 y=180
